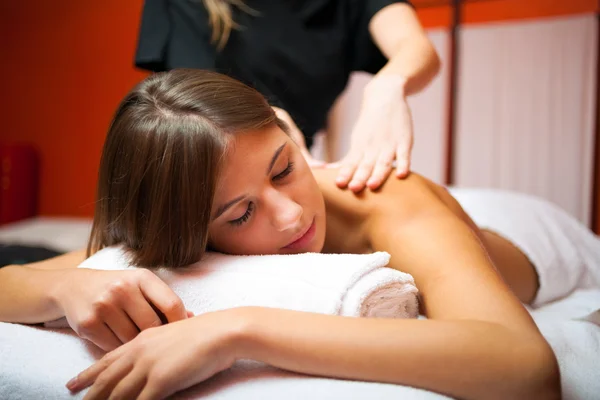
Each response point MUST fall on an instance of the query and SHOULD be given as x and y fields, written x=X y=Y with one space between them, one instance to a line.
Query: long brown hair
x=160 y=163
x=221 y=20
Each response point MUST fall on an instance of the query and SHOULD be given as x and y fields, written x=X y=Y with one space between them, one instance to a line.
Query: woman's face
x=267 y=200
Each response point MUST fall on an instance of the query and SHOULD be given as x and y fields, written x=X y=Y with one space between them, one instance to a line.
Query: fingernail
x=72 y=384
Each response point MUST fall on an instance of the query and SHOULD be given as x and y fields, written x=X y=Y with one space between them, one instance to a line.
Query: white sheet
x=572 y=328
x=61 y=234
x=37 y=368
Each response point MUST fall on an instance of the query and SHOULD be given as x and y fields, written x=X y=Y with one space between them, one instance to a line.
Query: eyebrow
x=231 y=203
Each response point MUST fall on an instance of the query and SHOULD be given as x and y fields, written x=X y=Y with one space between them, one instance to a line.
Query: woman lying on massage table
x=196 y=160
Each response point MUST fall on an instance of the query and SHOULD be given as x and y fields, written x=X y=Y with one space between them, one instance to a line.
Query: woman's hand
x=383 y=133
x=162 y=361
x=297 y=137
x=110 y=308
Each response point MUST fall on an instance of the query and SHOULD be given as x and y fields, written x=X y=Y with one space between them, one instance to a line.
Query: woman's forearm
x=28 y=291
x=27 y=294
x=464 y=359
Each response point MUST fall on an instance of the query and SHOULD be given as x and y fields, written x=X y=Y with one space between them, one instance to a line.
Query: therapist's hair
x=221 y=20
x=160 y=164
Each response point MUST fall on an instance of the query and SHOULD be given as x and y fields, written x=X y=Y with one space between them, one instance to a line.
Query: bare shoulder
x=405 y=192
x=399 y=199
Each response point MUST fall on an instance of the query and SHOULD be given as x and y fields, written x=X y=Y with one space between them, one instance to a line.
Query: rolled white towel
x=357 y=285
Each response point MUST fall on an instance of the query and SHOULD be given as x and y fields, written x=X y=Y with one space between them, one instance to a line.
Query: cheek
x=308 y=191
x=256 y=238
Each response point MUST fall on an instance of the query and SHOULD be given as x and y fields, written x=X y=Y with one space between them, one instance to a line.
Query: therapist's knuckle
x=366 y=167
x=384 y=163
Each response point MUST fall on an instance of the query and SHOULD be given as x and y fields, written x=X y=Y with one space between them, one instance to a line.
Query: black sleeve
x=174 y=34
x=366 y=56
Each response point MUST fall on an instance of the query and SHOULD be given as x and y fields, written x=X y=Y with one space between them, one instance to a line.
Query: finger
x=346 y=172
x=89 y=375
x=190 y=314
x=165 y=300
x=105 y=382
x=102 y=336
x=403 y=158
x=152 y=391
x=130 y=386
x=121 y=325
x=362 y=174
x=382 y=170
x=141 y=313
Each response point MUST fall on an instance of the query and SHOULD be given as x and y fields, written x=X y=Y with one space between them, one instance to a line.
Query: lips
x=303 y=238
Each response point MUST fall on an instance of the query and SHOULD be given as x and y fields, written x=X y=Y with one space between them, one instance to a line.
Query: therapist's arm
x=401 y=38
x=384 y=131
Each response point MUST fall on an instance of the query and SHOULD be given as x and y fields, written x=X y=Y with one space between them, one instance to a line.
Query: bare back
x=351 y=219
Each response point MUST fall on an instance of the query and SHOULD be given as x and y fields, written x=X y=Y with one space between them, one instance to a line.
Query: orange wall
x=66 y=64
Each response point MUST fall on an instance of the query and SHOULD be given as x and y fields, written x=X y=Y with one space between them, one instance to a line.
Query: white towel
x=564 y=252
x=336 y=284
x=569 y=327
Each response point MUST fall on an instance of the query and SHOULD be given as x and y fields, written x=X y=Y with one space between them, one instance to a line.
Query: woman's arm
x=463 y=359
x=27 y=293
x=479 y=342
x=108 y=308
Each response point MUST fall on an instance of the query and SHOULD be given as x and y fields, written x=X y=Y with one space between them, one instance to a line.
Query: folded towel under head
x=358 y=285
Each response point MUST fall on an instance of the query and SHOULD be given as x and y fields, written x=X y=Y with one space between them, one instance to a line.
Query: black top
x=297 y=53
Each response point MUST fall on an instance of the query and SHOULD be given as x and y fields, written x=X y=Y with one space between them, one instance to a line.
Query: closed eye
x=245 y=217
x=288 y=170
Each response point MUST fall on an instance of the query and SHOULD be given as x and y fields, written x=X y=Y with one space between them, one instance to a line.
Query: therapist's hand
x=383 y=133
x=297 y=137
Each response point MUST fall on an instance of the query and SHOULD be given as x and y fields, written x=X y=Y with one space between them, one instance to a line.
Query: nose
x=286 y=213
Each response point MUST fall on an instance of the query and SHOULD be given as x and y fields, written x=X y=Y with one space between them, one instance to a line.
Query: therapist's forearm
x=415 y=61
